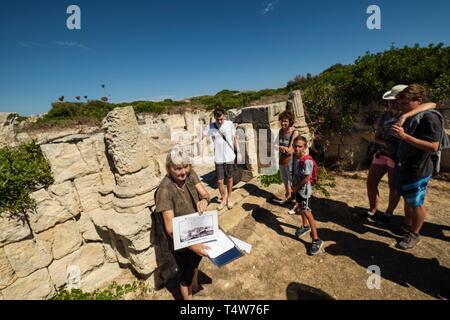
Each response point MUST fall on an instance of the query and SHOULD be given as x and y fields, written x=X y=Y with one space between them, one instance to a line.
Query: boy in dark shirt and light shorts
x=418 y=141
x=302 y=188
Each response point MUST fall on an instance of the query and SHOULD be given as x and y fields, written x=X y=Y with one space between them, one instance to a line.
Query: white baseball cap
x=391 y=95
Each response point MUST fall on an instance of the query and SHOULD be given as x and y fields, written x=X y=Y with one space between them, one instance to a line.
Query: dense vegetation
x=228 y=99
x=332 y=97
x=22 y=171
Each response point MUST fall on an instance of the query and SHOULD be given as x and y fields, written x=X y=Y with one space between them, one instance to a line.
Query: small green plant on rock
x=23 y=170
x=325 y=180
x=113 y=292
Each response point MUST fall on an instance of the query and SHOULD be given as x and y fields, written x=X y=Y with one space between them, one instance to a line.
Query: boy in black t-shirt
x=418 y=141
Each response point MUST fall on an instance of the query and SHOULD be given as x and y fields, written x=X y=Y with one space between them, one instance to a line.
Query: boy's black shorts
x=303 y=202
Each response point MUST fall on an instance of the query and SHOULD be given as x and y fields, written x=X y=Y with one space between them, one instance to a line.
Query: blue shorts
x=414 y=191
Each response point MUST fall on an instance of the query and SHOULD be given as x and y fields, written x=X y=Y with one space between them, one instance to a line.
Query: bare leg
x=376 y=173
x=418 y=218
x=312 y=224
x=304 y=219
x=408 y=215
x=394 y=198
x=229 y=189
x=287 y=191
x=186 y=292
x=223 y=195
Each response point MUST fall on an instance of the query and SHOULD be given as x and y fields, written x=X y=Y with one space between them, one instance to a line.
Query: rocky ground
x=279 y=267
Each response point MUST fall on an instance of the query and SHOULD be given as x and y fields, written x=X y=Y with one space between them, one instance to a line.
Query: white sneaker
x=283 y=202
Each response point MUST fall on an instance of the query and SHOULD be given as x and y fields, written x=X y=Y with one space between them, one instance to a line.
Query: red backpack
x=313 y=179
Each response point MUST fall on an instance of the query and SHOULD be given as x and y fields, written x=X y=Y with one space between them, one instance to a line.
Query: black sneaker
x=315 y=247
x=302 y=231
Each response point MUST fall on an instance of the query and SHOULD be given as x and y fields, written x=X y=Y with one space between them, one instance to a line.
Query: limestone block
x=101 y=277
x=139 y=183
x=87 y=258
x=49 y=212
x=66 y=195
x=110 y=255
x=124 y=141
x=28 y=256
x=130 y=204
x=64 y=239
x=134 y=229
x=144 y=262
x=66 y=161
x=12 y=229
x=87 y=228
x=88 y=188
x=93 y=152
x=7 y=274
x=37 y=286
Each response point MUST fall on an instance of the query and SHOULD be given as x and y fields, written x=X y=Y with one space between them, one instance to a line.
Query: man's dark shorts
x=224 y=170
x=303 y=202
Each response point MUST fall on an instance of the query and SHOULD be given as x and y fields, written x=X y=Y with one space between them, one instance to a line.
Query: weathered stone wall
x=95 y=217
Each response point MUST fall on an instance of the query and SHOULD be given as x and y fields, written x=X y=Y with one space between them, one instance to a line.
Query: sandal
x=221 y=206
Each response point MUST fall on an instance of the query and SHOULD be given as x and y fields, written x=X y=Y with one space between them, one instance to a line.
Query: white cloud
x=269 y=6
x=28 y=44
x=72 y=44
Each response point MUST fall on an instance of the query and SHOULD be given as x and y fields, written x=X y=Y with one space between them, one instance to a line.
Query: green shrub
x=267 y=180
x=113 y=292
x=22 y=171
x=229 y=99
x=334 y=96
x=325 y=180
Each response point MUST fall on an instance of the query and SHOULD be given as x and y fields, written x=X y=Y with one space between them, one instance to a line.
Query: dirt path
x=279 y=265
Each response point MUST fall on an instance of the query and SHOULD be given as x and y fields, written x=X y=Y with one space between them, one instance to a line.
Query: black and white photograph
x=194 y=228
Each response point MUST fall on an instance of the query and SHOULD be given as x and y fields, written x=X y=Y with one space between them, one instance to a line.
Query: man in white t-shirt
x=226 y=149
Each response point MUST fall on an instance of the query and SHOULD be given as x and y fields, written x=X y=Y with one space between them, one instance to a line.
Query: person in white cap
x=384 y=157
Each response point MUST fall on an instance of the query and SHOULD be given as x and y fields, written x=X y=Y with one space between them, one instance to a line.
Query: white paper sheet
x=242 y=245
x=219 y=246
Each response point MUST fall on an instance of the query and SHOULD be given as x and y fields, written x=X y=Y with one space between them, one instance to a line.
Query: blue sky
x=145 y=49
